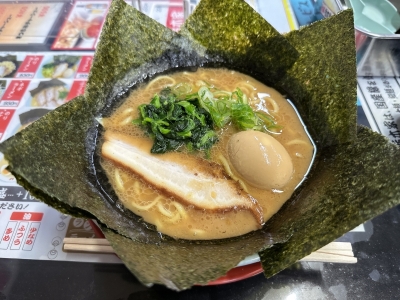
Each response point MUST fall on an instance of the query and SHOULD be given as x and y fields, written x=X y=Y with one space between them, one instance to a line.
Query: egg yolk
x=260 y=159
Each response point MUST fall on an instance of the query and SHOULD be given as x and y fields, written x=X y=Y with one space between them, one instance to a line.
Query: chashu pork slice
x=190 y=180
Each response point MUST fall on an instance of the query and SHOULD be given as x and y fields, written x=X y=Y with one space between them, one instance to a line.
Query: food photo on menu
x=170 y=141
x=83 y=26
x=8 y=66
x=59 y=66
x=49 y=94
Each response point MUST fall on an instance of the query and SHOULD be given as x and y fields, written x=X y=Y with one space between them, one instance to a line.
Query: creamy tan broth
x=171 y=214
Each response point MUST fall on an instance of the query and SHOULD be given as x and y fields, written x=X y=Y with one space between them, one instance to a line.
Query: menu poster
x=82 y=27
x=27 y=23
x=168 y=13
x=36 y=84
x=32 y=230
x=381 y=101
x=9 y=65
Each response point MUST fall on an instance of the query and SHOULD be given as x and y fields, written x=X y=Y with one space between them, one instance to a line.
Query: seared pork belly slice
x=204 y=186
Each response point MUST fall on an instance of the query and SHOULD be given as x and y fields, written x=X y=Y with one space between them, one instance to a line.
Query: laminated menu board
x=380 y=98
x=28 y=23
x=32 y=230
x=168 y=12
x=82 y=27
x=33 y=83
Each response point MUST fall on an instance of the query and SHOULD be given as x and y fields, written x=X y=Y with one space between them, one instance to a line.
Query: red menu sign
x=26 y=216
x=5 y=117
x=29 y=66
x=77 y=89
x=175 y=17
x=14 y=93
x=84 y=67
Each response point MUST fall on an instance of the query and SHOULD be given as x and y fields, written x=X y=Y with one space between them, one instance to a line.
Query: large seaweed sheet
x=351 y=183
x=54 y=157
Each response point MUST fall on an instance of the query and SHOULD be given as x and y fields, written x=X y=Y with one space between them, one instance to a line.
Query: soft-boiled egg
x=260 y=159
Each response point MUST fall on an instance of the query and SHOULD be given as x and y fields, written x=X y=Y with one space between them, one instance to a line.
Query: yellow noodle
x=297 y=142
x=118 y=180
x=176 y=217
x=273 y=103
x=127 y=111
x=126 y=121
x=136 y=188
x=164 y=211
x=179 y=207
x=228 y=170
x=181 y=213
x=254 y=97
x=247 y=85
x=200 y=83
x=147 y=206
x=204 y=76
x=158 y=79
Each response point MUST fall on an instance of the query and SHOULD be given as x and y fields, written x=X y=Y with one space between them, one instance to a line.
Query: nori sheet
x=322 y=82
x=54 y=157
x=352 y=183
x=234 y=32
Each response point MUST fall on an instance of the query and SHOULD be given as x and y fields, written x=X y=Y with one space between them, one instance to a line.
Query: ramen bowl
x=354 y=176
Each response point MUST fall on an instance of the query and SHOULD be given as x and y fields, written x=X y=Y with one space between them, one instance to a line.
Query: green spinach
x=176 y=116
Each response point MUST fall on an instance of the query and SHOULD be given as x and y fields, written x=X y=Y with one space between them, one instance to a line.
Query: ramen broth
x=178 y=218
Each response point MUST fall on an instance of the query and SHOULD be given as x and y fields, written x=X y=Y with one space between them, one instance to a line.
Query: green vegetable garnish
x=177 y=116
x=48 y=70
x=226 y=107
x=173 y=122
x=63 y=94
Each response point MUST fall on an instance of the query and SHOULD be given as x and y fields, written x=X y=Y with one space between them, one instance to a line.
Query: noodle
x=230 y=173
x=297 y=142
x=136 y=188
x=274 y=104
x=118 y=180
x=200 y=83
x=164 y=211
x=173 y=217
x=180 y=209
x=127 y=111
x=126 y=121
x=246 y=87
x=147 y=206
x=168 y=78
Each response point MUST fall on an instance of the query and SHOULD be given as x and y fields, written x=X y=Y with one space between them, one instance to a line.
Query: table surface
x=377 y=274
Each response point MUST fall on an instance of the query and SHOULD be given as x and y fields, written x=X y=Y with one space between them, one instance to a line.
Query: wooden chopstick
x=335 y=252
x=87 y=245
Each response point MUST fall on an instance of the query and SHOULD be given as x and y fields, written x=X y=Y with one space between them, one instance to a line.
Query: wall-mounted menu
x=27 y=23
x=83 y=25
